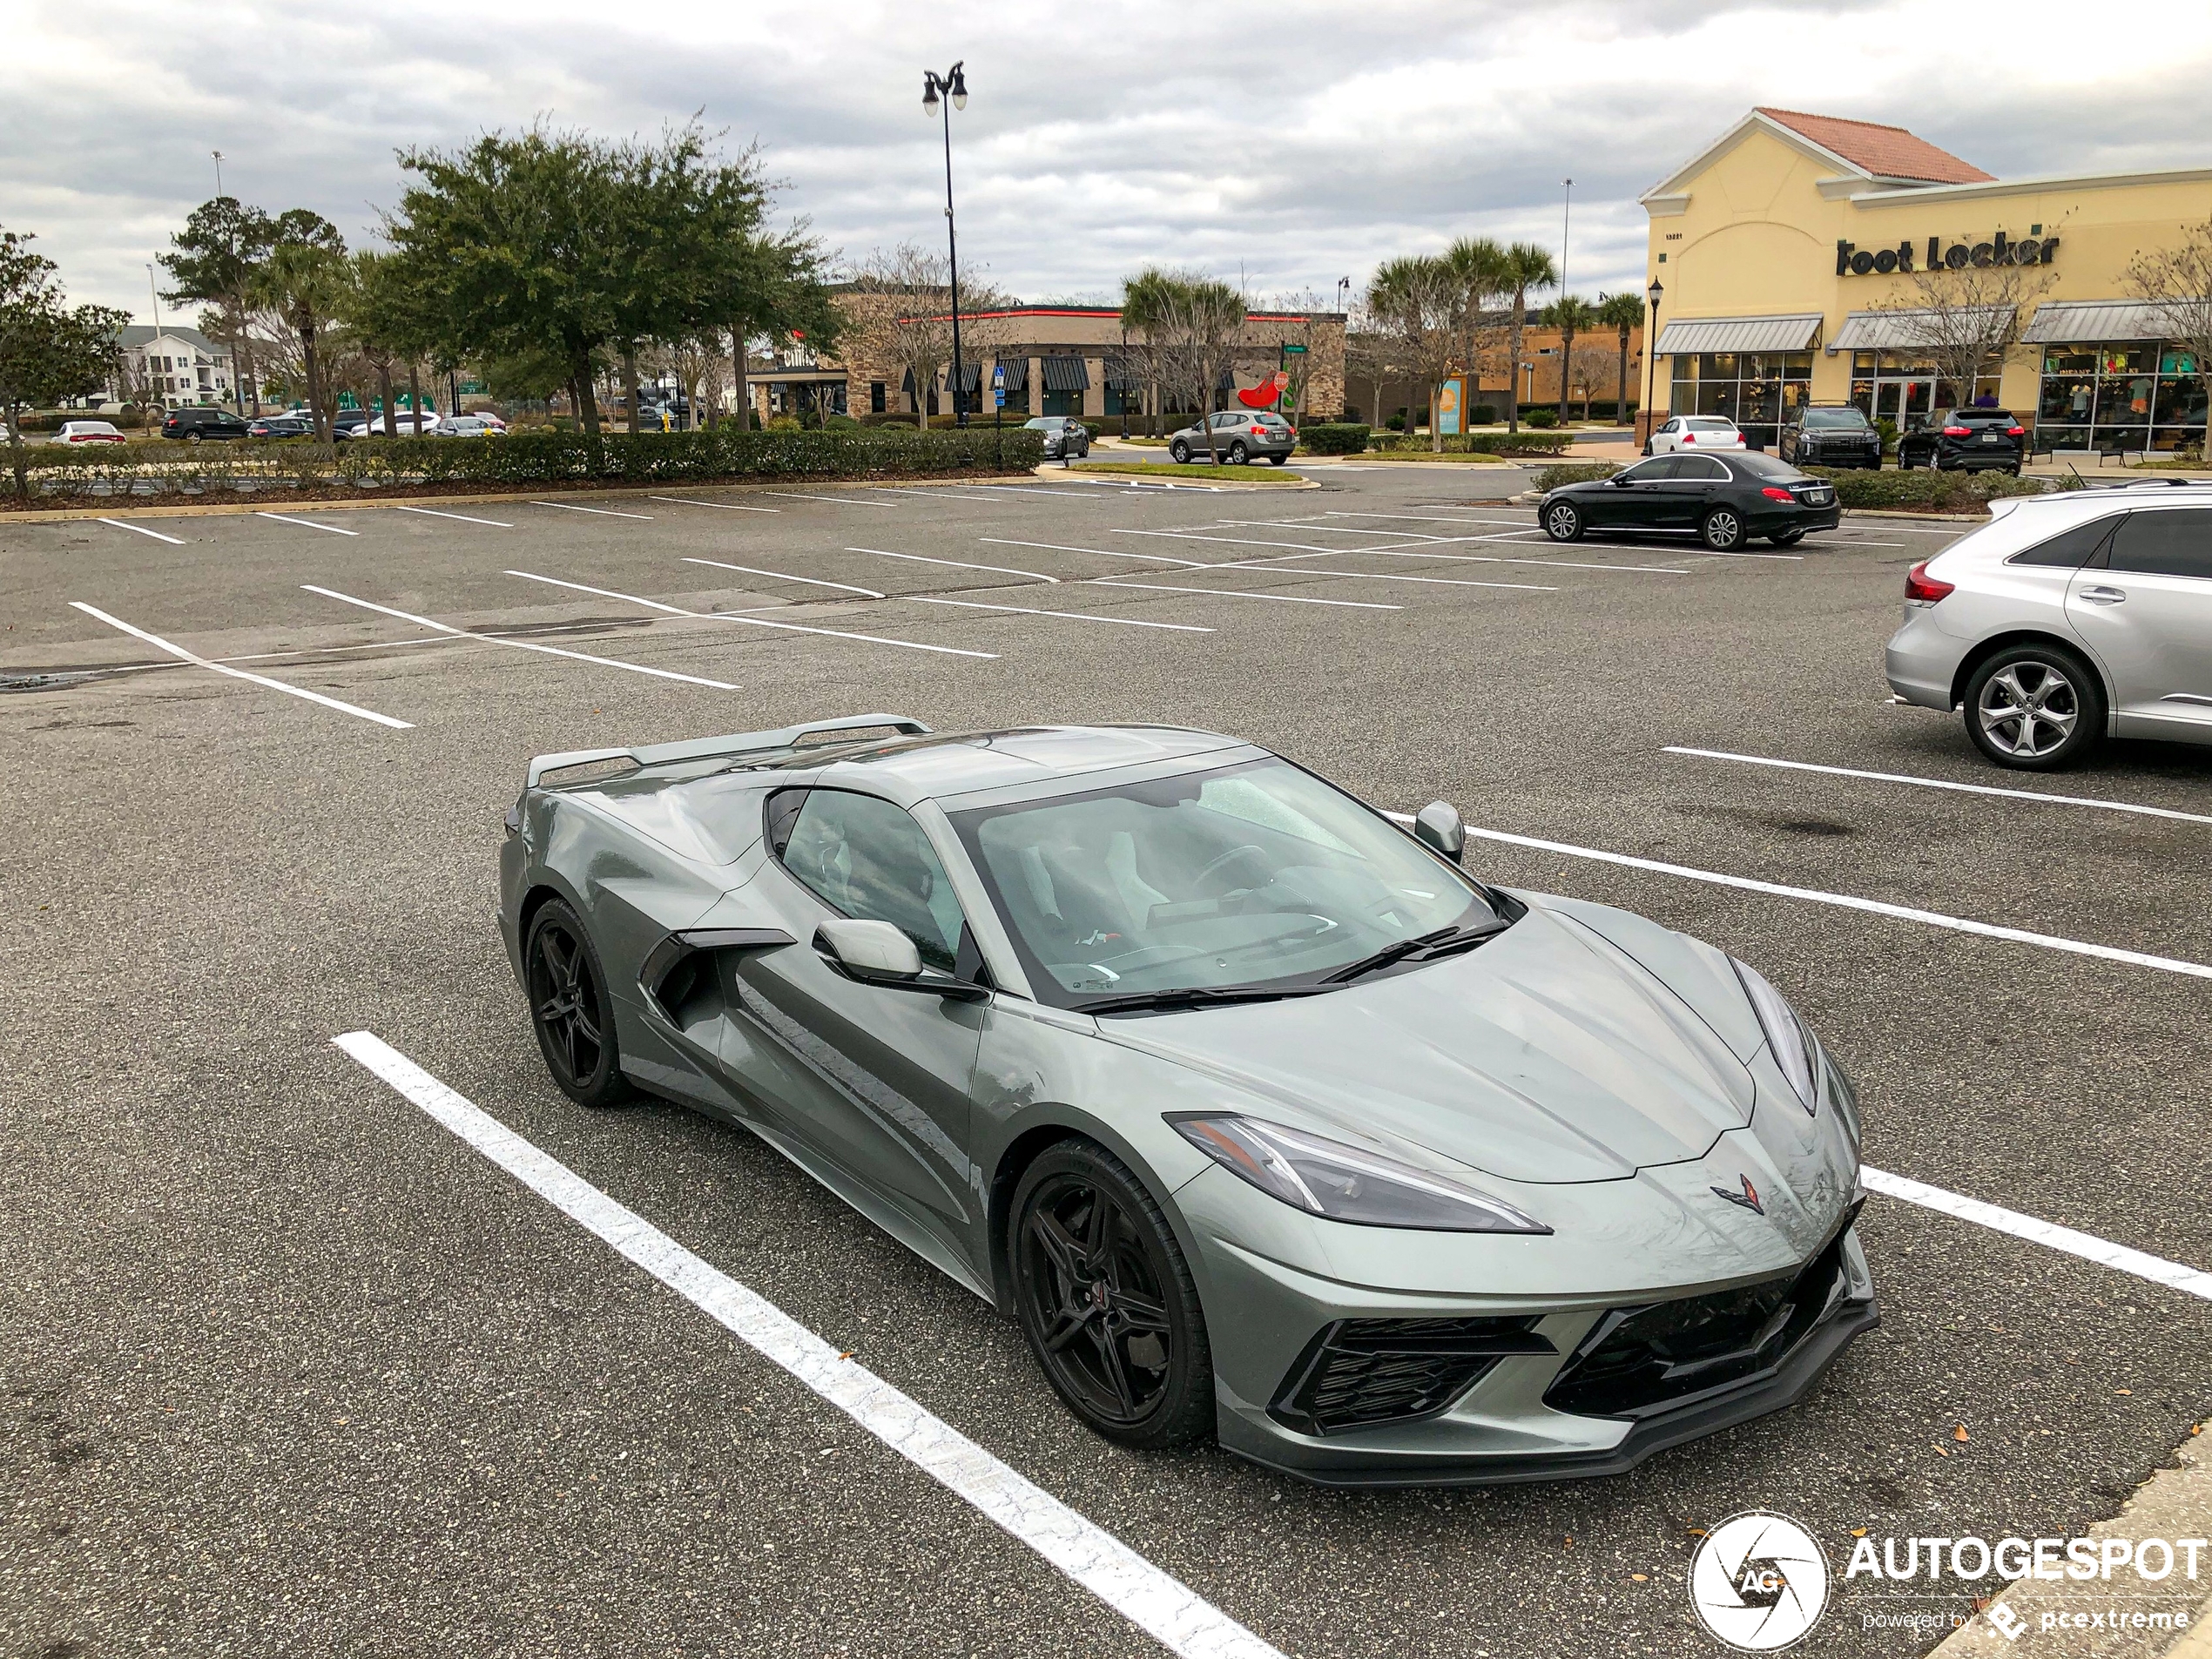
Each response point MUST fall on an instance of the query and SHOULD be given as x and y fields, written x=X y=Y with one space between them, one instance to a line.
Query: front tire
x=1723 y=530
x=571 y=1009
x=2035 y=707
x=1179 y=452
x=1107 y=1302
x=1563 y=521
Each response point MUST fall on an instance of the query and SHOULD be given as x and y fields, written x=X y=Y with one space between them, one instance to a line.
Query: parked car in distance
x=280 y=426
x=1724 y=500
x=2065 y=619
x=195 y=425
x=1063 y=435
x=89 y=432
x=1964 y=441
x=1695 y=432
x=1239 y=435
x=466 y=426
x=1831 y=434
x=408 y=424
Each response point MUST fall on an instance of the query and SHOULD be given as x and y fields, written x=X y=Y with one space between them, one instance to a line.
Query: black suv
x=1831 y=435
x=1964 y=441
x=202 y=422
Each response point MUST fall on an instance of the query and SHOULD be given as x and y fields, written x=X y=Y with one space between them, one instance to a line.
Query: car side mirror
x=873 y=952
x=1437 y=827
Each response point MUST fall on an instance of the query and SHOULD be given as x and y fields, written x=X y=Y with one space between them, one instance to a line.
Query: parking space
x=287 y=1328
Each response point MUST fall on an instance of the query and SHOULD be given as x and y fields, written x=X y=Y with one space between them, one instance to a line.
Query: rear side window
x=870 y=860
x=1703 y=470
x=2068 y=549
x=2165 y=544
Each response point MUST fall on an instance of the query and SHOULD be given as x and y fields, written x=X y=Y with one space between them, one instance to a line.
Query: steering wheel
x=1224 y=861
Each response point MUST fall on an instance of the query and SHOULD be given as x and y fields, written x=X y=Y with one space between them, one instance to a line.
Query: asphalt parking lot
x=290 y=1367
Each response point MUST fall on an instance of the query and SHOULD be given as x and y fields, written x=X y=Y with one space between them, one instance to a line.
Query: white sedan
x=1690 y=433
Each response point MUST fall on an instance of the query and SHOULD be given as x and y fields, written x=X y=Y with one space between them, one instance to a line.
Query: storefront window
x=2118 y=397
x=1757 y=390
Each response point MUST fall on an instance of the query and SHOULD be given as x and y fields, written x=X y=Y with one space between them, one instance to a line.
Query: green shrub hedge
x=1482 y=443
x=1572 y=472
x=1542 y=420
x=1924 y=490
x=1333 y=438
x=535 y=458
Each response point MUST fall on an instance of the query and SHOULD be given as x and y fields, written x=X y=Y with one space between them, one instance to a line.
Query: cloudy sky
x=1289 y=143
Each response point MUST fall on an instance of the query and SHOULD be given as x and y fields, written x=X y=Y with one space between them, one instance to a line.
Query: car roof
x=945 y=763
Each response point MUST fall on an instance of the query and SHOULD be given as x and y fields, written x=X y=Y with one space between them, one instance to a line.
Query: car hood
x=1548 y=1056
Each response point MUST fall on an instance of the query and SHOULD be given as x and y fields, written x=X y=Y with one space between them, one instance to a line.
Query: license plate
x=1991 y=437
x=1817 y=497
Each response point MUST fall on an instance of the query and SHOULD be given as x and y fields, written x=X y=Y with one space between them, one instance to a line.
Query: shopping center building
x=1797 y=253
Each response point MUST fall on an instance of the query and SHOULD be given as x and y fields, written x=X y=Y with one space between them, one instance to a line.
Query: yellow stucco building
x=1793 y=250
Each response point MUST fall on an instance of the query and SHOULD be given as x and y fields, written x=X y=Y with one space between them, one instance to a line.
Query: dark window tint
x=2165 y=544
x=1702 y=470
x=1762 y=467
x=1650 y=472
x=2068 y=549
x=870 y=860
x=1982 y=417
x=1818 y=419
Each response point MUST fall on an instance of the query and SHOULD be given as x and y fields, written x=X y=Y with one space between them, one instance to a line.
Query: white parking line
x=284 y=519
x=1069 y=615
x=603 y=512
x=2103 y=1252
x=520 y=645
x=173 y=540
x=1945 y=783
x=428 y=512
x=750 y=622
x=784 y=576
x=834 y=500
x=1103 y=553
x=1850 y=901
x=1241 y=593
x=159 y=644
x=1002 y=569
x=726 y=506
x=1156 y=1603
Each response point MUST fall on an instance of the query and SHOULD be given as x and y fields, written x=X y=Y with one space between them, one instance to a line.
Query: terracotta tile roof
x=1889 y=153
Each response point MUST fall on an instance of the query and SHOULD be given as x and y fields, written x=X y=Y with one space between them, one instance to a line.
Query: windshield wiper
x=1424 y=946
x=1193 y=996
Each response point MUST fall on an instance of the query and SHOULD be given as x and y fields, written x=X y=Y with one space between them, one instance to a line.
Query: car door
x=1697 y=483
x=876 y=1080
x=2147 y=615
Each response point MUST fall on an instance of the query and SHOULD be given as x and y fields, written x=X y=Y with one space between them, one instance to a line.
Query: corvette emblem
x=1747 y=1199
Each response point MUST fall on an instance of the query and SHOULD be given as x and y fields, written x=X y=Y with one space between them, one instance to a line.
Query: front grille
x=1358 y=1372
x=1636 y=1361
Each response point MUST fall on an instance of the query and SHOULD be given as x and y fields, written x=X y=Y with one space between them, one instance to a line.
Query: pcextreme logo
x=1758 y=1581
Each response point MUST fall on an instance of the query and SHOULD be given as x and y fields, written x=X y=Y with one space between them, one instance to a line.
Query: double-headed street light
x=953 y=85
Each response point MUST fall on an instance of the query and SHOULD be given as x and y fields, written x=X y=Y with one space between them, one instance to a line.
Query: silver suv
x=2065 y=619
x=1239 y=435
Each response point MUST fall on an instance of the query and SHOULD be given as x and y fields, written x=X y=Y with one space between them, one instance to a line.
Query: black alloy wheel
x=570 y=1008
x=1179 y=452
x=1107 y=1302
x=1563 y=521
x=1723 y=530
x=2035 y=707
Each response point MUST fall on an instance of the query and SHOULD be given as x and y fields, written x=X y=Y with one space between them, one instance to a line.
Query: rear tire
x=571 y=1009
x=1722 y=529
x=1107 y=1302
x=1179 y=452
x=1239 y=454
x=1279 y=460
x=1563 y=521
x=2035 y=707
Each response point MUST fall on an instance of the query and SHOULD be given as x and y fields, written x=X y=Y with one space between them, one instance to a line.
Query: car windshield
x=1252 y=875
x=1764 y=465
x=1040 y=424
x=1839 y=419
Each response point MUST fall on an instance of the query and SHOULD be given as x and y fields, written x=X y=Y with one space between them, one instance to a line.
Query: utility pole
x=217 y=154
x=1565 y=214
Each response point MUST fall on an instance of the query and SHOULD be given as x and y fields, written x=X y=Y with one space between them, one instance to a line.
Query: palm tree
x=1571 y=316
x=1624 y=312
x=1480 y=278
x=1527 y=267
x=307 y=285
x=1414 y=296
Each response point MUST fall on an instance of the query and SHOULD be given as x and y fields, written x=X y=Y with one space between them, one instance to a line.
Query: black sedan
x=1724 y=500
x=281 y=426
x=1964 y=441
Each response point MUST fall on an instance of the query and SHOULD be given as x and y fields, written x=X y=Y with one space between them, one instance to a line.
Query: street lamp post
x=953 y=85
x=1650 y=354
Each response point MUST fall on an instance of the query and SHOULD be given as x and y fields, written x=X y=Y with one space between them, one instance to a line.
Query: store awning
x=970 y=377
x=1687 y=336
x=2094 y=322
x=1018 y=372
x=1123 y=375
x=1066 y=374
x=1899 y=330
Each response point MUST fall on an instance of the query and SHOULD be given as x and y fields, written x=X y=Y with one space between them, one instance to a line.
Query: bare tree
x=1966 y=320
x=1589 y=363
x=1417 y=299
x=900 y=313
x=1190 y=323
x=1370 y=356
x=2177 y=283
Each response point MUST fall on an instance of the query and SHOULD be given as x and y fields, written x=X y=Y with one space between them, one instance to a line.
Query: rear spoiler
x=736 y=744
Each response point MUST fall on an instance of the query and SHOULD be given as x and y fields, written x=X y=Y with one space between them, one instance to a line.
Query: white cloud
x=1295 y=143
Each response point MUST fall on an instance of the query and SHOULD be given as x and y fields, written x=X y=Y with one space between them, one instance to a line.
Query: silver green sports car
x=1263 y=1118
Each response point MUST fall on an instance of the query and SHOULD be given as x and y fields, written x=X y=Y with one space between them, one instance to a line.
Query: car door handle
x=2103 y=596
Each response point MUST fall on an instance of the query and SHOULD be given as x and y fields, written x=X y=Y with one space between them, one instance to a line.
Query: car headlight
x=1346 y=1183
x=1786 y=1033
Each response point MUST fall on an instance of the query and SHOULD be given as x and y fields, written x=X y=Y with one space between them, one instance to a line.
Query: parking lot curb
x=348 y=504
x=2174 y=1503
